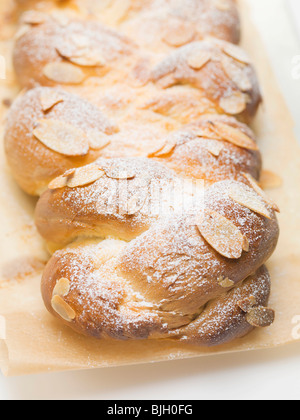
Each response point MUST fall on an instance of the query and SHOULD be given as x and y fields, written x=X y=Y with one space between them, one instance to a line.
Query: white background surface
x=269 y=374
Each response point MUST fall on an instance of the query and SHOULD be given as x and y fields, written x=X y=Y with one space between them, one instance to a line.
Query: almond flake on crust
x=270 y=180
x=118 y=173
x=65 y=73
x=167 y=148
x=178 y=34
x=236 y=52
x=236 y=74
x=57 y=183
x=222 y=5
x=63 y=309
x=234 y=104
x=249 y=199
x=60 y=17
x=33 y=17
x=234 y=136
x=246 y=304
x=21 y=31
x=97 y=139
x=246 y=245
x=222 y=235
x=206 y=133
x=199 y=59
x=84 y=176
x=62 y=287
x=61 y=181
x=49 y=99
x=260 y=317
x=215 y=147
x=226 y=283
x=117 y=10
x=82 y=56
x=62 y=137
x=78 y=177
x=141 y=74
x=261 y=192
x=134 y=205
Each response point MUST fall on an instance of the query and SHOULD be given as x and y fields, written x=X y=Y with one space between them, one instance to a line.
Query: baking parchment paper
x=31 y=341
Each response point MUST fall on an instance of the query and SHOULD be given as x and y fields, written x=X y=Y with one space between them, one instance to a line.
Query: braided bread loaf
x=156 y=23
x=161 y=93
x=147 y=171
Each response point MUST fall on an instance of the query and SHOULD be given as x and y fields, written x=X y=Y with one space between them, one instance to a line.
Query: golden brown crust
x=161 y=20
x=106 y=306
x=33 y=164
x=84 y=48
x=223 y=319
x=126 y=315
x=223 y=71
x=87 y=58
x=164 y=276
x=184 y=269
x=198 y=150
x=153 y=204
x=82 y=51
x=98 y=207
x=161 y=25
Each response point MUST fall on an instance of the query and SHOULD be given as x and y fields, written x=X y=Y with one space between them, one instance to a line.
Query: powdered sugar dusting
x=141 y=268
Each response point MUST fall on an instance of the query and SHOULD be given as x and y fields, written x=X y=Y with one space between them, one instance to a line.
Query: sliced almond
x=63 y=309
x=234 y=104
x=166 y=81
x=60 y=17
x=61 y=181
x=246 y=245
x=88 y=59
x=154 y=152
x=78 y=41
x=98 y=140
x=104 y=4
x=65 y=73
x=226 y=283
x=222 y=235
x=178 y=33
x=207 y=133
x=62 y=137
x=261 y=192
x=50 y=98
x=260 y=317
x=249 y=199
x=236 y=52
x=234 y=136
x=57 y=183
x=84 y=56
x=84 y=176
x=22 y=31
x=62 y=287
x=246 y=304
x=222 y=5
x=141 y=74
x=167 y=148
x=69 y=173
x=119 y=173
x=215 y=147
x=270 y=180
x=135 y=205
x=199 y=59
x=117 y=10
x=33 y=17
x=237 y=75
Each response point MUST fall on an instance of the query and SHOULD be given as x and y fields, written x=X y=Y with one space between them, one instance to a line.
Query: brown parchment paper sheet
x=31 y=341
